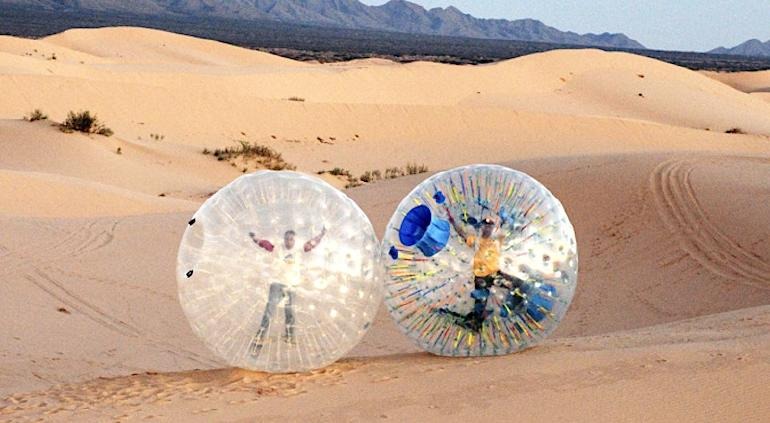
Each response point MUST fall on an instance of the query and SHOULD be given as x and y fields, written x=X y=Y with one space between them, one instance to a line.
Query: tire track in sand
x=683 y=215
x=94 y=313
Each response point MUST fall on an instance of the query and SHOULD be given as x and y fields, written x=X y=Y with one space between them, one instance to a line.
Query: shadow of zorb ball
x=279 y=272
x=481 y=260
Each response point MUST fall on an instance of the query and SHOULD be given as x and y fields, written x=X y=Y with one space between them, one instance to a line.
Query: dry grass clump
x=84 y=122
x=351 y=181
x=337 y=171
x=392 y=172
x=375 y=175
x=36 y=115
x=371 y=176
x=414 y=168
x=261 y=156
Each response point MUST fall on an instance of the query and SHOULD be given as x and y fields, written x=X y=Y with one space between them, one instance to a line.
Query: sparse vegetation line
x=375 y=175
x=246 y=154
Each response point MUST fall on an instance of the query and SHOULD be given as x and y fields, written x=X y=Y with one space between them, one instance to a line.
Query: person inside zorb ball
x=280 y=272
x=481 y=260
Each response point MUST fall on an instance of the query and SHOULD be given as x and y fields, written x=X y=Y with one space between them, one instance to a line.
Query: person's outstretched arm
x=458 y=228
x=315 y=241
x=263 y=243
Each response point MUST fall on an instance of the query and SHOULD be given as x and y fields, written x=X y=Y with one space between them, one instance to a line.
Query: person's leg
x=274 y=297
x=480 y=296
x=289 y=314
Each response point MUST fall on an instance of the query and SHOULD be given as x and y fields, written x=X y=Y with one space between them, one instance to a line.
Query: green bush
x=85 y=122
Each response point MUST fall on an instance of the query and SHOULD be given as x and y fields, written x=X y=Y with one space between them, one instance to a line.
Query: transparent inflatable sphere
x=481 y=260
x=279 y=272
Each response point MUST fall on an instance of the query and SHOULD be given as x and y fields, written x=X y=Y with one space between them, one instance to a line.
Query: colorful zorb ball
x=279 y=272
x=481 y=260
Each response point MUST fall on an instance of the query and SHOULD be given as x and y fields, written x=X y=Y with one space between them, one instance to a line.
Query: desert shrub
x=735 y=131
x=36 y=114
x=414 y=169
x=393 y=172
x=338 y=171
x=294 y=98
x=263 y=156
x=85 y=122
x=371 y=176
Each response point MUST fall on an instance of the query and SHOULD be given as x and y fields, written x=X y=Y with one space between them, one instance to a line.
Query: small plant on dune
x=352 y=184
x=263 y=156
x=35 y=115
x=393 y=172
x=371 y=176
x=735 y=131
x=414 y=169
x=338 y=171
x=84 y=122
x=352 y=181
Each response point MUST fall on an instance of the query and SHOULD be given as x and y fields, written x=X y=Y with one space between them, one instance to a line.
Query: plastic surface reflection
x=481 y=260
x=279 y=272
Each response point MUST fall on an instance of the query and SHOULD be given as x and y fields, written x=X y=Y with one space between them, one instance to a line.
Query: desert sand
x=755 y=83
x=670 y=322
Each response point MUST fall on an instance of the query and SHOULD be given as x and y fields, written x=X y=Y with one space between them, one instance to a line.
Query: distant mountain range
x=396 y=15
x=750 y=48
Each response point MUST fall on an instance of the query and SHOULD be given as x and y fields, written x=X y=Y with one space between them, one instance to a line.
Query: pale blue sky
x=695 y=25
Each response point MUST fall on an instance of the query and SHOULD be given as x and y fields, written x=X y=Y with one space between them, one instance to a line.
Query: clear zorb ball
x=279 y=272
x=481 y=260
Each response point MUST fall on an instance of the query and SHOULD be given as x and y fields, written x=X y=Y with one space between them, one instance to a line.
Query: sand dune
x=248 y=92
x=748 y=82
x=755 y=83
x=635 y=374
x=41 y=195
x=670 y=319
x=132 y=45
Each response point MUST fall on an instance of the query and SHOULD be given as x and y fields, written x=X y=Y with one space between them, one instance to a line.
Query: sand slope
x=670 y=319
x=675 y=372
x=748 y=82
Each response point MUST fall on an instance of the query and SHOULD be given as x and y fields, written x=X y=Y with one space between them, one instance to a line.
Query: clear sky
x=695 y=25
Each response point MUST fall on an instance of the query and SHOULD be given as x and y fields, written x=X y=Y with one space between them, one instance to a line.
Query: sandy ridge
x=680 y=209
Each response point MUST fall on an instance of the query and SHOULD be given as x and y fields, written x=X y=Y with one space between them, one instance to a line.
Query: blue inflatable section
x=538 y=302
x=420 y=229
x=414 y=225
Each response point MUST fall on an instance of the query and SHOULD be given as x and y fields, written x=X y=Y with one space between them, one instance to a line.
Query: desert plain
x=664 y=172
